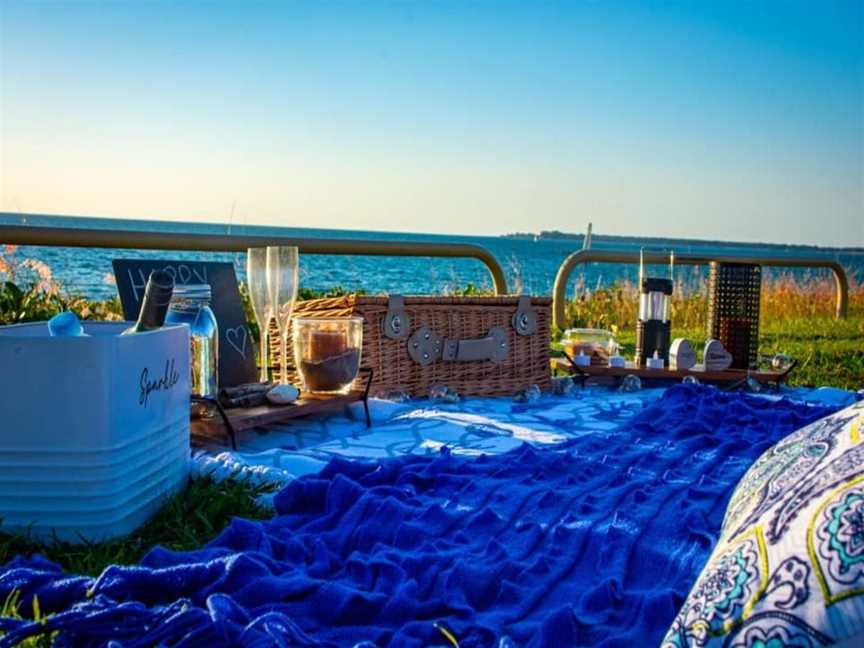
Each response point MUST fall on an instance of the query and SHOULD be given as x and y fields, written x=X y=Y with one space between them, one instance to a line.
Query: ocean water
x=530 y=264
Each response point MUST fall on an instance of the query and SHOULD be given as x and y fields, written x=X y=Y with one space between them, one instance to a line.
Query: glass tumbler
x=327 y=352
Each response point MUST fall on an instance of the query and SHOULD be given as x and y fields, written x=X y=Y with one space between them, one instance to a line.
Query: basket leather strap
x=524 y=319
x=396 y=324
x=492 y=347
x=425 y=347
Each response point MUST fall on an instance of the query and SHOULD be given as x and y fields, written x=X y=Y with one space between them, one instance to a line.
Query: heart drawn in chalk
x=237 y=338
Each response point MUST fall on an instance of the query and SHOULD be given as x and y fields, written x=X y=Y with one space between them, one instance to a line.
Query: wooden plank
x=728 y=375
x=205 y=431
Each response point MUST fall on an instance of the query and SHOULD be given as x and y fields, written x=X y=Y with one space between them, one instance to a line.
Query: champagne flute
x=262 y=305
x=282 y=274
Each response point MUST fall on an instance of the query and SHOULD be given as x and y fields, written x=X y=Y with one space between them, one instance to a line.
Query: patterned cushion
x=788 y=569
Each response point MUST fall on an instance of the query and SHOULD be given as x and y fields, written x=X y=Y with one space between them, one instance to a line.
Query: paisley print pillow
x=788 y=569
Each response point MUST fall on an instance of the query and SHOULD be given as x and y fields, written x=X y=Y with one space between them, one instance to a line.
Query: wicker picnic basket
x=477 y=346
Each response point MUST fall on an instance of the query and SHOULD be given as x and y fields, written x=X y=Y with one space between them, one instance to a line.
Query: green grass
x=829 y=352
x=10 y=610
x=189 y=520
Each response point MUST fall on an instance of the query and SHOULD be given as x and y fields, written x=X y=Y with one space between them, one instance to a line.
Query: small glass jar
x=190 y=305
x=327 y=352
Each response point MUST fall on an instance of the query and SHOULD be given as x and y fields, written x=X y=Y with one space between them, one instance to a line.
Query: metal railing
x=559 y=292
x=188 y=241
x=150 y=240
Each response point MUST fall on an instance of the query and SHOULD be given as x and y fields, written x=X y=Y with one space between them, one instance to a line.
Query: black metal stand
x=366 y=389
x=777 y=382
x=582 y=377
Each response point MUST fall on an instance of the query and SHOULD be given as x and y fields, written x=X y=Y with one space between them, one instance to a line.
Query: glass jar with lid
x=594 y=345
x=190 y=305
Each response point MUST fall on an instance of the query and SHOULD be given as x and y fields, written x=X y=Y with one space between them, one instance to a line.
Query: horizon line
x=513 y=235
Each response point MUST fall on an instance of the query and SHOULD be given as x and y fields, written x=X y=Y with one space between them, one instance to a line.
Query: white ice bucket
x=94 y=431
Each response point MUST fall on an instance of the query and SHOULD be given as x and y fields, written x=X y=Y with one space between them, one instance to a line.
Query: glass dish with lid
x=597 y=344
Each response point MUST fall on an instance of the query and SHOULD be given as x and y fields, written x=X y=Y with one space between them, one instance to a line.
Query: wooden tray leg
x=230 y=428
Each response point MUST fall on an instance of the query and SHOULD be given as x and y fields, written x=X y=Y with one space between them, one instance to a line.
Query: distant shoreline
x=555 y=235
x=35 y=219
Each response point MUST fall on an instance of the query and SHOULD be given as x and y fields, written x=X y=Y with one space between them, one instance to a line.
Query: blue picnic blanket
x=470 y=426
x=593 y=542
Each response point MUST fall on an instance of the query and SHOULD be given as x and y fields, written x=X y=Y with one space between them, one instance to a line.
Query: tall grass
x=783 y=297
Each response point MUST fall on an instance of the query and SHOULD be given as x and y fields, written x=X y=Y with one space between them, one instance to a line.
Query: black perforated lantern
x=653 y=327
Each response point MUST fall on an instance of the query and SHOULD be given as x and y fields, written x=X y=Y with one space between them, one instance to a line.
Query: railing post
x=842 y=289
x=499 y=281
x=559 y=288
x=559 y=293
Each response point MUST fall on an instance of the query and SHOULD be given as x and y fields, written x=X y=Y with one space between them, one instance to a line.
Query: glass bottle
x=154 y=306
x=190 y=305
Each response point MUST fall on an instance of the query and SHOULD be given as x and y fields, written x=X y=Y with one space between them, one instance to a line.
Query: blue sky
x=733 y=120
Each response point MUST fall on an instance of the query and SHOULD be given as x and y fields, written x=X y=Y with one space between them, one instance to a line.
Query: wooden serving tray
x=213 y=429
x=725 y=376
x=226 y=424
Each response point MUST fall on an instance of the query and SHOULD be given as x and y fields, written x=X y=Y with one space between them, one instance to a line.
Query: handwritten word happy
x=181 y=273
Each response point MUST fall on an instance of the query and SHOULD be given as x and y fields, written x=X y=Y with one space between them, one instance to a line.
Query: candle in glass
x=327 y=352
x=325 y=343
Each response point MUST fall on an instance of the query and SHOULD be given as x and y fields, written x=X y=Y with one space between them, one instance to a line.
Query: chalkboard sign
x=237 y=352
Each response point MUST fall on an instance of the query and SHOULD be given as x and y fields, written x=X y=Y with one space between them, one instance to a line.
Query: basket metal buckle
x=425 y=347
